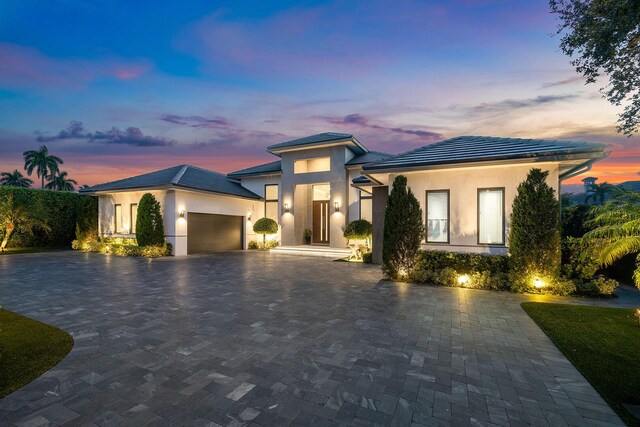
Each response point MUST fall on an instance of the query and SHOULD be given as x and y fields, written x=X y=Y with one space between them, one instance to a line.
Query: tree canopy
x=603 y=37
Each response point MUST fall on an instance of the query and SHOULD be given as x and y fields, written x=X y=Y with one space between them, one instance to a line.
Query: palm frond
x=619 y=248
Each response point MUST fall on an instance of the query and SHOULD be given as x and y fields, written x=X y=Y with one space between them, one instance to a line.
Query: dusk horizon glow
x=125 y=89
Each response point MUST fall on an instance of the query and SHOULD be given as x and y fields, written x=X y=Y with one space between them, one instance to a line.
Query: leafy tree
x=574 y=220
x=17 y=215
x=603 y=37
x=358 y=229
x=265 y=226
x=149 y=225
x=534 y=237
x=44 y=164
x=15 y=179
x=599 y=192
x=60 y=182
x=617 y=230
x=403 y=231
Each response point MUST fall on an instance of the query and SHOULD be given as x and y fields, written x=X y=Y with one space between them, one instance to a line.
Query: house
x=466 y=186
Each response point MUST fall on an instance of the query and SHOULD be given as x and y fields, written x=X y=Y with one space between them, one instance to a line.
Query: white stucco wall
x=463 y=185
x=174 y=201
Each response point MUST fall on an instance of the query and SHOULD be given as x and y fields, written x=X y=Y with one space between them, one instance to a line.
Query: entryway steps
x=307 y=250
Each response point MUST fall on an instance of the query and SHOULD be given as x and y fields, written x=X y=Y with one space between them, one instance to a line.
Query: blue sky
x=118 y=87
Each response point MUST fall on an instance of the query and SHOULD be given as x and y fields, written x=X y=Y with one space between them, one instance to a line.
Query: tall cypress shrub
x=534 y=237
x=403 y=231
x=149 y=225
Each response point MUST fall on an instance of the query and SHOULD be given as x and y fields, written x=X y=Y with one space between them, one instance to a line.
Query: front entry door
x=321 y=221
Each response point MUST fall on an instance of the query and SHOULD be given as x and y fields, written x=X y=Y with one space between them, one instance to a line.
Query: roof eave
x=169 y=187
x=320 y=144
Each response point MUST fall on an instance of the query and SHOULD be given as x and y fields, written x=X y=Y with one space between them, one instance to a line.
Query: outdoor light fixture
x=182 y=214
x=248 y=215
x=286 y=207
x=463 y=279
x=538 y=283
x=336 y=205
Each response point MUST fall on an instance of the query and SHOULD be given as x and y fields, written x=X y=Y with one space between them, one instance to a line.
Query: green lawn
x=28 y=349
x=603 y=343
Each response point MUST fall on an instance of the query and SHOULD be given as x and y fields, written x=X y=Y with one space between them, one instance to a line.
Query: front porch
x=313 y=250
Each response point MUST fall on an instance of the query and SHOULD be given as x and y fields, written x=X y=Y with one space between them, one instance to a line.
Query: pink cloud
x=27 y=67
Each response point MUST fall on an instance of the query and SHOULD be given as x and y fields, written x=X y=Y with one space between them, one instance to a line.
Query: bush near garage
x=149 y=224
x=122 y=246
x=61 y=209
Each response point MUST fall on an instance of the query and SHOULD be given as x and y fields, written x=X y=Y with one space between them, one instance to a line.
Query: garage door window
x=271 y=204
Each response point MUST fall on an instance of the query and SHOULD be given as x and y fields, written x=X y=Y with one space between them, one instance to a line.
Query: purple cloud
x=362 y=121
x=130 y=136
x=196 y=121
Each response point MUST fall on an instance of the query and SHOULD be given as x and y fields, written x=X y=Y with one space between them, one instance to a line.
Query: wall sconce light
x=182 y=214
x=336 y=206
x=286 y=207
x=248 y=215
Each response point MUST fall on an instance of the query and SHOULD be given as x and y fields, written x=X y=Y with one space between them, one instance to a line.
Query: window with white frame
x=117 y=218
x=133 y=211
x=437 y=216
x=491 y=216
x=271 y=205
x=366 y=206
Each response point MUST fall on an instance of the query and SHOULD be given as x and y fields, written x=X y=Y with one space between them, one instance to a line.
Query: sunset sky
x=118 y=88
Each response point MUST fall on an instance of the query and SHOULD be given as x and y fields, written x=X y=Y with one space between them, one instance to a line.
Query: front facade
x=320 y=183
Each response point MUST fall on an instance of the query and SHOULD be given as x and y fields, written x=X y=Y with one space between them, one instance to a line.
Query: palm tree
x=15 y=179
x=60 y=182
x=598 y=192
x=40 y=160
x=618 y=229
x=16 y=215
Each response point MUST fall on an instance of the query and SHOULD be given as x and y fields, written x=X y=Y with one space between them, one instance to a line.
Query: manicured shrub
x=468 y=270
x=253 y=245
x=60 y=212
x=579 y=259
x=534 y=238
x=367 y=257
x=107 y=246
x=87 y=219
x=149 y=225
x=265 y=226
x=360 y=229
x=403 y=231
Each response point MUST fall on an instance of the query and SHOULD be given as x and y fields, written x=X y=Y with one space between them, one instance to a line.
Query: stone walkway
x=263 y=339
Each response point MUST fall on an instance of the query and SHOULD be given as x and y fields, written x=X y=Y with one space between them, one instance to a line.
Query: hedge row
x=107 y=246
x=65 y=212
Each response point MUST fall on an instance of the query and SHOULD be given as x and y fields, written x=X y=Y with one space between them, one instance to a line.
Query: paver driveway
x=275 y=340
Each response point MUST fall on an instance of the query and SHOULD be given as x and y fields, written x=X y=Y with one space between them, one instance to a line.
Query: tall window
x=271 y=204
x=366 y=206
x=134 y=216
x=438 y=216
x=491 y=216
x=117 y=218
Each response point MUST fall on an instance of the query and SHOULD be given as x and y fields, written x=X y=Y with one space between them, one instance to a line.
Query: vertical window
x=438 y=216
x=366 y=206
x=491 y=216
x=117 y=218
x=134 y=217
x=271 y=204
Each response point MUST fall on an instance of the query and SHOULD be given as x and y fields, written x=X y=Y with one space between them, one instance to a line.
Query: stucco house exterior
x=466 y=186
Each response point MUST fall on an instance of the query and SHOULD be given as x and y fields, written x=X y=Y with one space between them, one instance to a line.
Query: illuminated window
x=321 y=192
x=134 y=216
x=271 y=205
x=491 y=216
x=117 y=218
x=318 y=164
x=438 y=216
x=366 y=206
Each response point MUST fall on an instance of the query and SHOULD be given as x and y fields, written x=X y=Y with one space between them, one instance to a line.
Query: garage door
x=213 y=233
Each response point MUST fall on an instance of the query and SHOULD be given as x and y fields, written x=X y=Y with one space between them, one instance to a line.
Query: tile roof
x=371 y=156
x=320 y=138
x=467 y=149
x=184 y=176
x=266 y=168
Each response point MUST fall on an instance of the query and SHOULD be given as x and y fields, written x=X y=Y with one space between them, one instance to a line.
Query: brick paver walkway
x=262 y=339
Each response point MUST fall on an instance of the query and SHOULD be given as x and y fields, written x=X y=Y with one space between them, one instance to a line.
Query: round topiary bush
x=265 y=226
x=359 y=229
x=149 y=225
